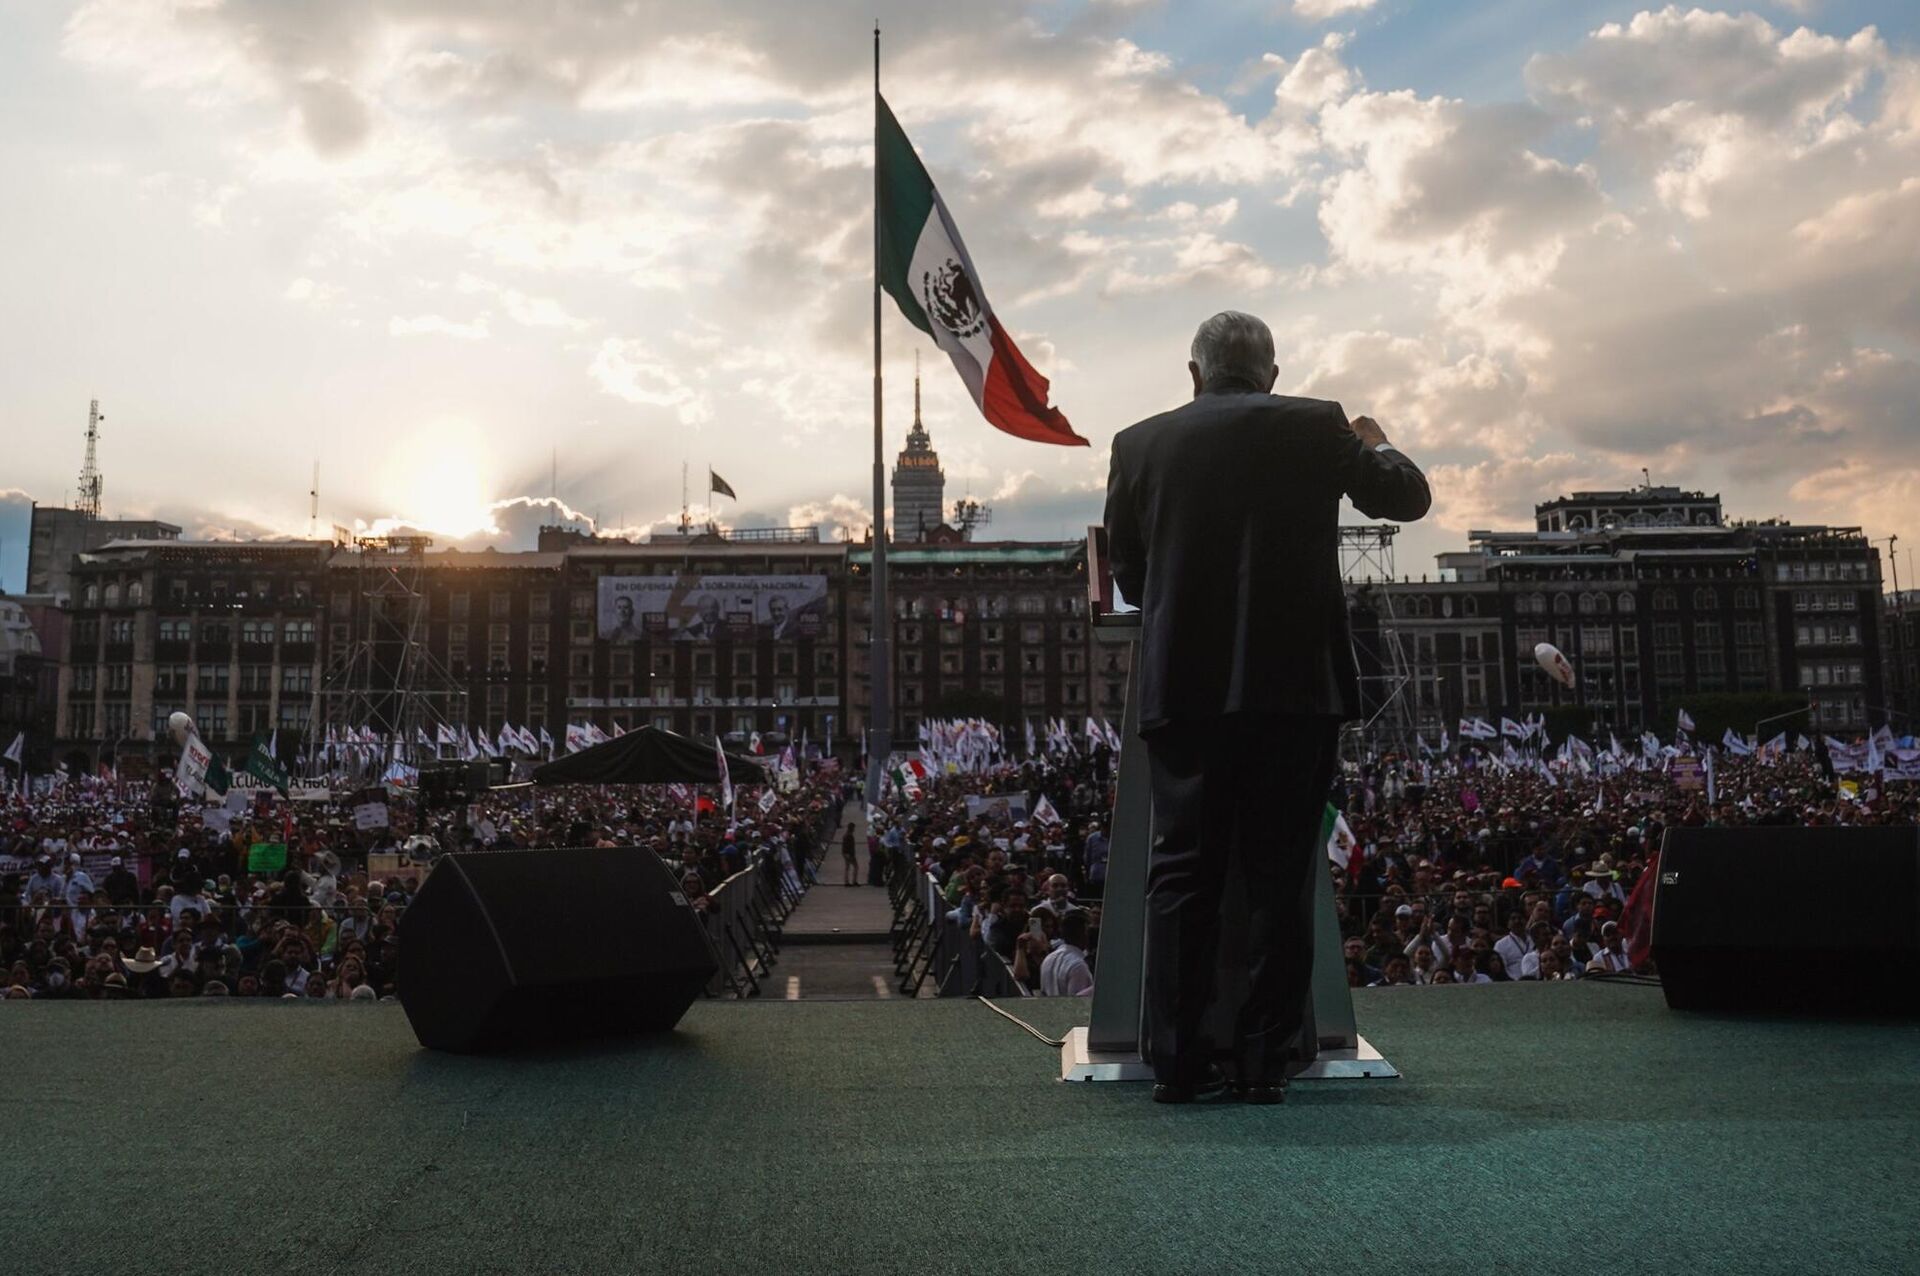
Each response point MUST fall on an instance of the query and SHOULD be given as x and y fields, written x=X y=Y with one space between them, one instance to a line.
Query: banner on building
x=703 y=608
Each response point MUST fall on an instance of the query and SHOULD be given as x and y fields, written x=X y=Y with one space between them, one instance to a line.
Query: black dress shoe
x=1210 y=1084
x=1263 y=1093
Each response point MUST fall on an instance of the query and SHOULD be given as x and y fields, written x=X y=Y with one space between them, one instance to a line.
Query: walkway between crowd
x=836 y=943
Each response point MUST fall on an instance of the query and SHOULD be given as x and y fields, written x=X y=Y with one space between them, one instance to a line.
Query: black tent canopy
x=647 y=755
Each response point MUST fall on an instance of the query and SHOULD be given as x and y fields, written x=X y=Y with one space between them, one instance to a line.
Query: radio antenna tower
x=88 y=502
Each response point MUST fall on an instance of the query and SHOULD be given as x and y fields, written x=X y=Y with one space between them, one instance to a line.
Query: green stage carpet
x=1539 y=1130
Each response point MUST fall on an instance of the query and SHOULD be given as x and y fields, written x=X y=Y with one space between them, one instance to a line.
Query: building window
x=176 y=629
x=212 y=719
x=1562 y=604
x=297 y=679
x=120 y=631
x=298 y=631
x=1706 y=598
x=212 y=678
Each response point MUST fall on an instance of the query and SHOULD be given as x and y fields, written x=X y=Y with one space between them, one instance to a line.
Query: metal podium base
x=1080 y=1063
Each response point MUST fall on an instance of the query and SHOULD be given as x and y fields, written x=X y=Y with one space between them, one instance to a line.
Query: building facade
x=1654 y=598
x=990 y=630
x=251 y=638
x=226 y=632
x=57 y=535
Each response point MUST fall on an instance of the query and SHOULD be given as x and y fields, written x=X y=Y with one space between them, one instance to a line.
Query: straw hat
x=143 y=962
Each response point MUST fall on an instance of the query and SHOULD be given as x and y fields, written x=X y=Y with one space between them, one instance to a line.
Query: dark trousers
x=1239 y=803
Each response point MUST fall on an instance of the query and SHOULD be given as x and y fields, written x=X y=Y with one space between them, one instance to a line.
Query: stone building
x=255 y=637
x=1654 y=597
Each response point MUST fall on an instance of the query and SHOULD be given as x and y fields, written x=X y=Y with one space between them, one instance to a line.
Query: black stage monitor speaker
x=522 y=948
x=1805 y=921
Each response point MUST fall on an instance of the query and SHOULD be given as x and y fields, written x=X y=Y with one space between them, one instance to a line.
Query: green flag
x=262 y=766
x=219 y=779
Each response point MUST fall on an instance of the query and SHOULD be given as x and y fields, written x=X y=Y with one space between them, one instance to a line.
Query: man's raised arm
x=1381 y=479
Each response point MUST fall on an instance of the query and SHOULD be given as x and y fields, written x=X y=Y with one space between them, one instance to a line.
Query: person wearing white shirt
x=1513 y=946
x=1065 y=972
x=1611 y=959
x=77 y=879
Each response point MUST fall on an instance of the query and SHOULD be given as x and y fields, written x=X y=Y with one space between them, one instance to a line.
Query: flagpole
x=880 y=714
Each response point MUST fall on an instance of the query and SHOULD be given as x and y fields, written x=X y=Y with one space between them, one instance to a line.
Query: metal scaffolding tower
x=88 y=500
x=385 y=678
x=1387 y=677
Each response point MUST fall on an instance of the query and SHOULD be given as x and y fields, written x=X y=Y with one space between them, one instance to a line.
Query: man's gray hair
x=1233 y=345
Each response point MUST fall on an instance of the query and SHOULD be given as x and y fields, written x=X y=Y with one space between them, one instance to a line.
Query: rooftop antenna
x=1648 y=478
x=313 y=503
x=88 y=501
x=686 y=519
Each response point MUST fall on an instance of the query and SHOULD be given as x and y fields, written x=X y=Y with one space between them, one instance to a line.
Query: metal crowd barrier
x=929 y=944
x=746 y=916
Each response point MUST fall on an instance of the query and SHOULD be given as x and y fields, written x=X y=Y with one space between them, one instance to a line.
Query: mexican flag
x=925 y=267
x=907 y=776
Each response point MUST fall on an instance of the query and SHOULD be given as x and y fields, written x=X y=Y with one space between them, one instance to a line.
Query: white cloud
x=474 y=329
x=1321 y=10
x=630 y=370
x=840 y=517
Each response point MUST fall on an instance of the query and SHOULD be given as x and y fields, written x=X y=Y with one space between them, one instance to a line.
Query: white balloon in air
x=1554 y=663
x=180 y=726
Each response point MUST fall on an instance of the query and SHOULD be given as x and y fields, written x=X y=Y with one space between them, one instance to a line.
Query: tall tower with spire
x=919 y=485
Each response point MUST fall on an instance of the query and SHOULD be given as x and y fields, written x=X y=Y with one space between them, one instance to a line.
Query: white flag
x=17 y=750
x=1686 y=721
x=726 y=779
x=1044 y=812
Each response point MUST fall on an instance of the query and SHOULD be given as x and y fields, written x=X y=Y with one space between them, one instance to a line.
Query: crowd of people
x=1450 y=870
x=1447 y=870
x=104 y=897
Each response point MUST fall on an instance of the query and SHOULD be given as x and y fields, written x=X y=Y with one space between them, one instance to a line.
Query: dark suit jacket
x=1223 y=523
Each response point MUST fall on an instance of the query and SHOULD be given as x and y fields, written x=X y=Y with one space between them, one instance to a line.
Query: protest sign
x=267 y=857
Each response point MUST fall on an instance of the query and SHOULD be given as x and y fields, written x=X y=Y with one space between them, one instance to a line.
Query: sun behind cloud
x=438 y=482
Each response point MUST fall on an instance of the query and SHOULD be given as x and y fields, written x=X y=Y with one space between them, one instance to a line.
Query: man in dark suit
x=1223 y=524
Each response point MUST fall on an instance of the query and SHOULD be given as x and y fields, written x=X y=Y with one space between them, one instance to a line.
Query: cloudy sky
x=430 y=244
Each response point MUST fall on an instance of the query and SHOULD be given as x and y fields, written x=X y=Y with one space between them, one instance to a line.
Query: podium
x=1108 y=1048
